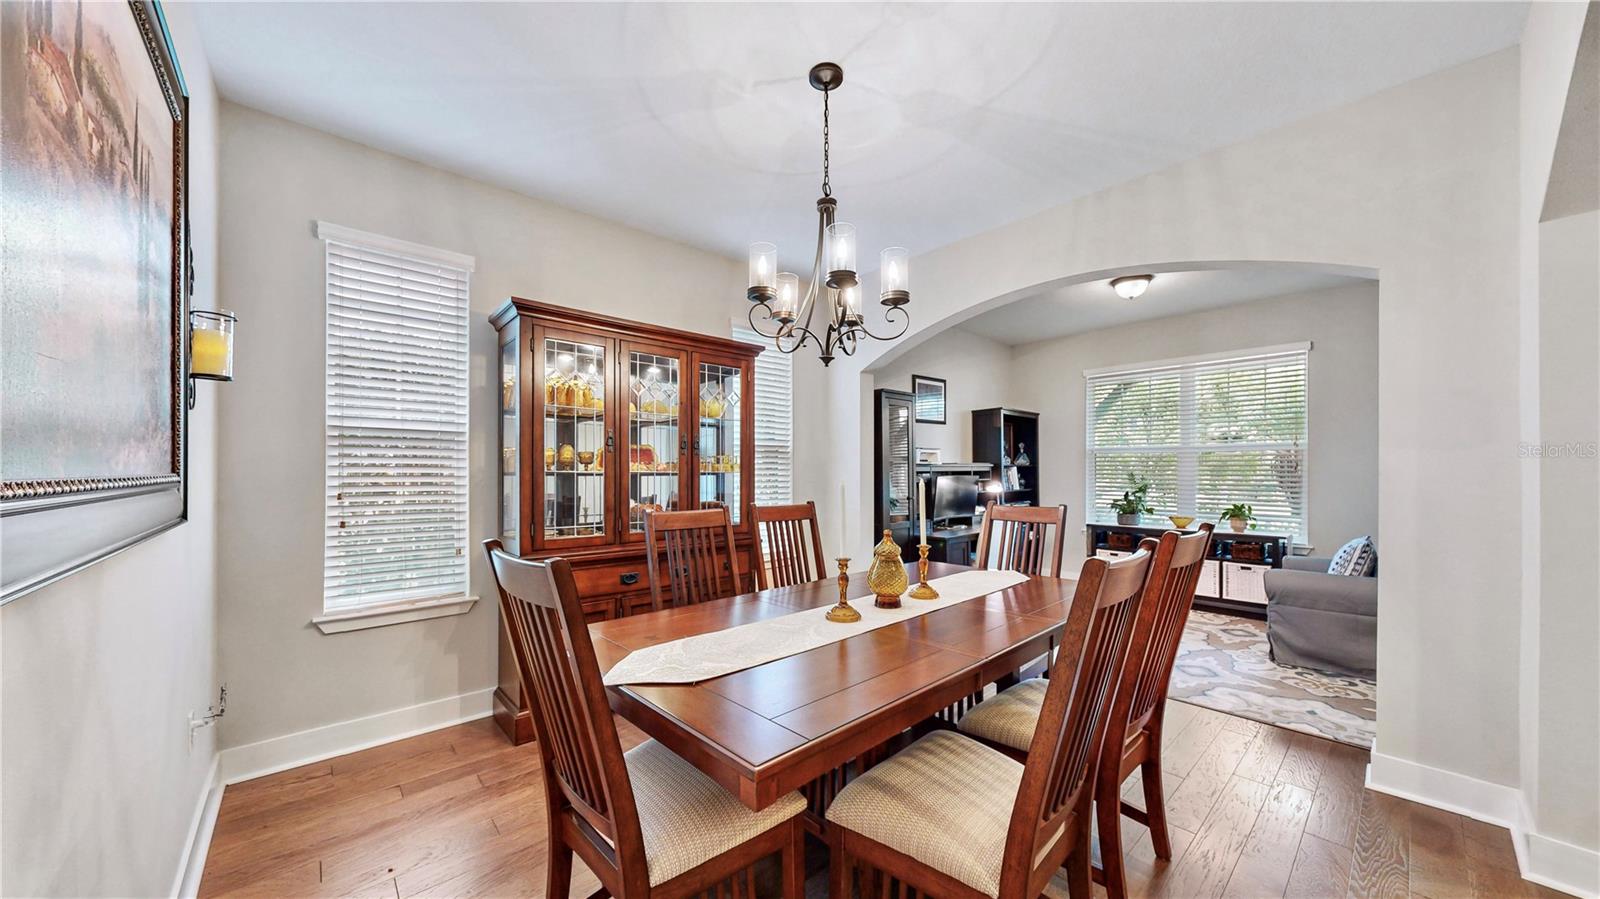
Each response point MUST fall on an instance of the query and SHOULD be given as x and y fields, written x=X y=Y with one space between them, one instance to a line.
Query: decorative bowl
x=1181 y=521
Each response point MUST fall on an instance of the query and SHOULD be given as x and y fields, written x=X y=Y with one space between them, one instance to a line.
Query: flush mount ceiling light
x=1131 y=287
x=786 y=316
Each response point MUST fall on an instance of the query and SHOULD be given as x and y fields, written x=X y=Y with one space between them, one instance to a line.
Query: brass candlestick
x=922 y=590
x=843 y=611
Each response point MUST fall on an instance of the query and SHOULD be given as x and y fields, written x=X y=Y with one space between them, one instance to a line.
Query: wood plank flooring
x=1256 y=811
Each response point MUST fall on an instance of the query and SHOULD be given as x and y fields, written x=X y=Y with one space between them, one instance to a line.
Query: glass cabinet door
x=719 y=431
x=654 y=438
x=510 y=441
x=574 y=436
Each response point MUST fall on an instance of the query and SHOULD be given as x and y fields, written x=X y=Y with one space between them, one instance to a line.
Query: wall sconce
x=210 y=346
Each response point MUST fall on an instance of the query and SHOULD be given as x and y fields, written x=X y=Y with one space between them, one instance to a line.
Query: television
x=955 y=496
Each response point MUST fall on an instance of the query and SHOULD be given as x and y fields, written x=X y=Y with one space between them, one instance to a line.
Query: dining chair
x=950 y=816
x=1008 y=720
x=646 y=822
x=782 y=555
x=1018 y=537
x=700 y=562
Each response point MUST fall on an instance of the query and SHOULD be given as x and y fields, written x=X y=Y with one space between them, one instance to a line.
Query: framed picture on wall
x=929 y=397
x=95 y=151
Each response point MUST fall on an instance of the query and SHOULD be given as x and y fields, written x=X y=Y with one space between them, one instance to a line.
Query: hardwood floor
x=1256 y=811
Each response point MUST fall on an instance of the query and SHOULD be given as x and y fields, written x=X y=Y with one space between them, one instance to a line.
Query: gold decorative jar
x=887 y=576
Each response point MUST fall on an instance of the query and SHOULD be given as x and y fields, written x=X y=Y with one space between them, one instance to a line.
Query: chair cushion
x=945 y=801
x=1355 y=559
x=1008 y=718
x=688 y=818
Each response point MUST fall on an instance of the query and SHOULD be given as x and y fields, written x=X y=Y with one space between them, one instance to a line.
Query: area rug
x=1223 y=665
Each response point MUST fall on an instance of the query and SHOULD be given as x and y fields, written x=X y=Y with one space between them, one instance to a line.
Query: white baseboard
x=1495 y=803
x=292 y=750
x=1553 y=863
x=1540 y=859
x=186 y=884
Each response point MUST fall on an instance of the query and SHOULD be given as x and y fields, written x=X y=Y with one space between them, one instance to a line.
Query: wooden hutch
x=601 y=420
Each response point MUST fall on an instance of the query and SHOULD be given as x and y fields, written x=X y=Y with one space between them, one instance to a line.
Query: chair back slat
x=1018 y=538
x=1169 y=595
x=582 y=759
x=1057 y=781
x=691 y=557
x=788 y=545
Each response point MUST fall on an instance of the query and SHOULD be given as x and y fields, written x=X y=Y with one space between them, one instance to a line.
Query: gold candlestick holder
x=843 y=612
x=922 y=590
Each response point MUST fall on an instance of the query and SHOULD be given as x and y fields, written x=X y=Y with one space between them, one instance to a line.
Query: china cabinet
x=603 y=420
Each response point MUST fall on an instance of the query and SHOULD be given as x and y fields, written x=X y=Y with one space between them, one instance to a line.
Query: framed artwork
x=94 y=145
x=929 y=399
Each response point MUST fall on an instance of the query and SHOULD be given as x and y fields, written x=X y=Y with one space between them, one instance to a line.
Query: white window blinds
x=774 y=421
x=396 y=421
x=1206 y=433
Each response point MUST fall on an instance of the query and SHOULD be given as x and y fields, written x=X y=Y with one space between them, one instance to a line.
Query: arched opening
x=1249 y=383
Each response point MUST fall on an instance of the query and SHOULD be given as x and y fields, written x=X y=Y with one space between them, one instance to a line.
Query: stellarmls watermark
x=1574 y=450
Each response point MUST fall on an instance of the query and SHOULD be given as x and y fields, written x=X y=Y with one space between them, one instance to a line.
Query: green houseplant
x=1132 y=505
x=1239 y=516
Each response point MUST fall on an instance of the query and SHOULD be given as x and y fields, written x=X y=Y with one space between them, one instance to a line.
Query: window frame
x=743 y=333
x=387 y=611
x=1188 y=449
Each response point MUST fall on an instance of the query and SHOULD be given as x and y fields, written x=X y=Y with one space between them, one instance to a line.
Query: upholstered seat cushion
x=1008 y=718
x=688 y=818
x=945 y=801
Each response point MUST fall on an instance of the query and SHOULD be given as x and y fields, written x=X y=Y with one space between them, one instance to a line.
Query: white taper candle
x=922 y=507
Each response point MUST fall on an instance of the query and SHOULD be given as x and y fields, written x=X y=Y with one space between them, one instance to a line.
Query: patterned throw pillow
x=1355 y=559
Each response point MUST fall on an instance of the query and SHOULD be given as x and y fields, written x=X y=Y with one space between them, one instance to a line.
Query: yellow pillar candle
x=209 y=352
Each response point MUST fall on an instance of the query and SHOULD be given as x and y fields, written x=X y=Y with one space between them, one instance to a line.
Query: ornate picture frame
x=96 y=150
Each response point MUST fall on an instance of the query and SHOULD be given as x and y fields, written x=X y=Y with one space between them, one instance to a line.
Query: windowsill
x=395 y=613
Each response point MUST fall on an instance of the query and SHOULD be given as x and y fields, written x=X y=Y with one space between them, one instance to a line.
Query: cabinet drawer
x=1210 y=582
x=1243 y=583
x=611 y=579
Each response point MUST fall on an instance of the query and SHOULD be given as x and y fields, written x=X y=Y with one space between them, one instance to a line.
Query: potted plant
x=1239 y=516
x=1132 y=504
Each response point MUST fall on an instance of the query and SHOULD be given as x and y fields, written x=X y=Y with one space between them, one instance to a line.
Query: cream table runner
x=704 y=656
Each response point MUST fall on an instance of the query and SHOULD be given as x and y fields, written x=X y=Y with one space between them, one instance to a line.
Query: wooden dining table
x=770 y=729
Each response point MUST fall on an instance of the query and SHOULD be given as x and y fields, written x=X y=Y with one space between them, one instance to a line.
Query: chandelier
x=829 y=315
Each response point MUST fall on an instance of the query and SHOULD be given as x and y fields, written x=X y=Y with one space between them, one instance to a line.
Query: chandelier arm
x=889 y=319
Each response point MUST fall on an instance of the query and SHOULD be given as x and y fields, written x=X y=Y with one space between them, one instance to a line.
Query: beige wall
x=1342 y=324
x=99 y=671
x=279 y=178
x=1419 y=184
x=977 y=370
x=1566 y=798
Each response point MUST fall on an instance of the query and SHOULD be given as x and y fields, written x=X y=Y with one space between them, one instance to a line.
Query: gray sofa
x=1320 y=620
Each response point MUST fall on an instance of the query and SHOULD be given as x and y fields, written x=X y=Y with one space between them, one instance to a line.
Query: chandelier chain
x=827 y=186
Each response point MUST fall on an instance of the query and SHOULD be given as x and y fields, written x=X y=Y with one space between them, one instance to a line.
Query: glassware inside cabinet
x=574 y=439
x=719 y=428
x=510 y=438
x=653 y=438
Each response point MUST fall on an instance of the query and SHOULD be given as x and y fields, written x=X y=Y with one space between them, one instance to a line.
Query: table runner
x=704 y=656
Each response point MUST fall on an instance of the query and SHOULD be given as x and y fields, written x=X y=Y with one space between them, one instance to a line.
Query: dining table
x=767 y=730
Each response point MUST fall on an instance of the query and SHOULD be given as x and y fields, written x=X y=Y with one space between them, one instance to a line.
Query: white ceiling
x=695 y=121
x=1092 y=305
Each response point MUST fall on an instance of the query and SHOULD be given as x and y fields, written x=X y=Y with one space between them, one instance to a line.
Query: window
x=1206 y=432
x=396 y=423
x=774 y=421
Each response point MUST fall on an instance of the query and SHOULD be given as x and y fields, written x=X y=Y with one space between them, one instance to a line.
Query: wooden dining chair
x=646 y=822
x=1008 y=721
x=951 y=817
x=1018 y=538
x=782 y=554
x=691 y=557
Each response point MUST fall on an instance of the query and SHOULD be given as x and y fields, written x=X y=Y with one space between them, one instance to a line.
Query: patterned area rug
x=1223 y=665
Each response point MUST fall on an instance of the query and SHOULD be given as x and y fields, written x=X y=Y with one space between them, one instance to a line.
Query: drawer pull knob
x=629 y=578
